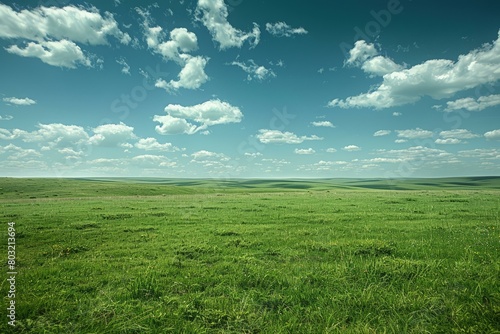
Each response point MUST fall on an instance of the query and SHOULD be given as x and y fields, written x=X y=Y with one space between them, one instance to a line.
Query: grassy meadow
x=253 y=256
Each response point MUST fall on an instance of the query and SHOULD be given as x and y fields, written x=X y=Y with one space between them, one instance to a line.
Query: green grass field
x=253 y=256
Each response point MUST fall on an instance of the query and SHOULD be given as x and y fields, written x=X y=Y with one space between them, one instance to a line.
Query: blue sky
x=207 y=88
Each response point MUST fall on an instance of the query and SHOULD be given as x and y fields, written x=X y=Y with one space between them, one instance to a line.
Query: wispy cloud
x=19 y=101
x=254 y=71
x=281 y=29
x=213 y=14
x=380 y=133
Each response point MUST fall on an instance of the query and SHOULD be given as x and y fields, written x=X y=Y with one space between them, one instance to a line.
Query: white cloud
x=448 y=141
x=54 y=135
x=458 y=133
x=207 y=155
x=396 y=114
x=6 y=118
x=70 y=152
x=77 y=24
x=61 y=53
x=6 y=134
x=125 y=68
x=151 y=144
x=366 y=57
x=385 y=160
x=53 y=32
x=213 y=14
x=19 y=153
x=437 y=78
x=380 y=133
x=327 y=124
x=416 y=156
x=111 y=135
x=331 y=150
x=481 y=153
x=400 y=141
x=323 y=165
x=380 y=66
x=275 y=136
x=351 y=148
x=360 y=53
x=414 y=133
x=304 y=151
x=281 y=29
x=153 y=160
x=254 y=71
x=181 y=41
x=192 y=75
x=492 y=135
x=209 y=113
x=19 y=101
x=174 y=126
x=253 y=155
x=470 y=104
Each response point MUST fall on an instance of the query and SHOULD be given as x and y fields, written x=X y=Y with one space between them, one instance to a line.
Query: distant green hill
x=97 y=187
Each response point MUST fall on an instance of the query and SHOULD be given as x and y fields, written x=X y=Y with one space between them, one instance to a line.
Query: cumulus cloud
x=111 y=135
x=492 y=135
x=458 y=133
x=149 y=160
x=415 y=133
x=437 y=78
x=6 y=134
x=253 y=155
x=151 y=144
x=254 y=71
x=181 y=41
x=53 y=31
x=327 y=124
x=19 y=153
x=448 y=141
x=213 y=14
x=192 y=76
x=54 y=135
x=61 y=53
x=207 y=155
x=81 y=25
x=380 y=133
x=206 y=114
x=266 y=136
x=418 y=154
x=471 y=104
x=351 y=148
x=281 y=29
x=304 y=151
x=366 y=57
x=331 y=150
